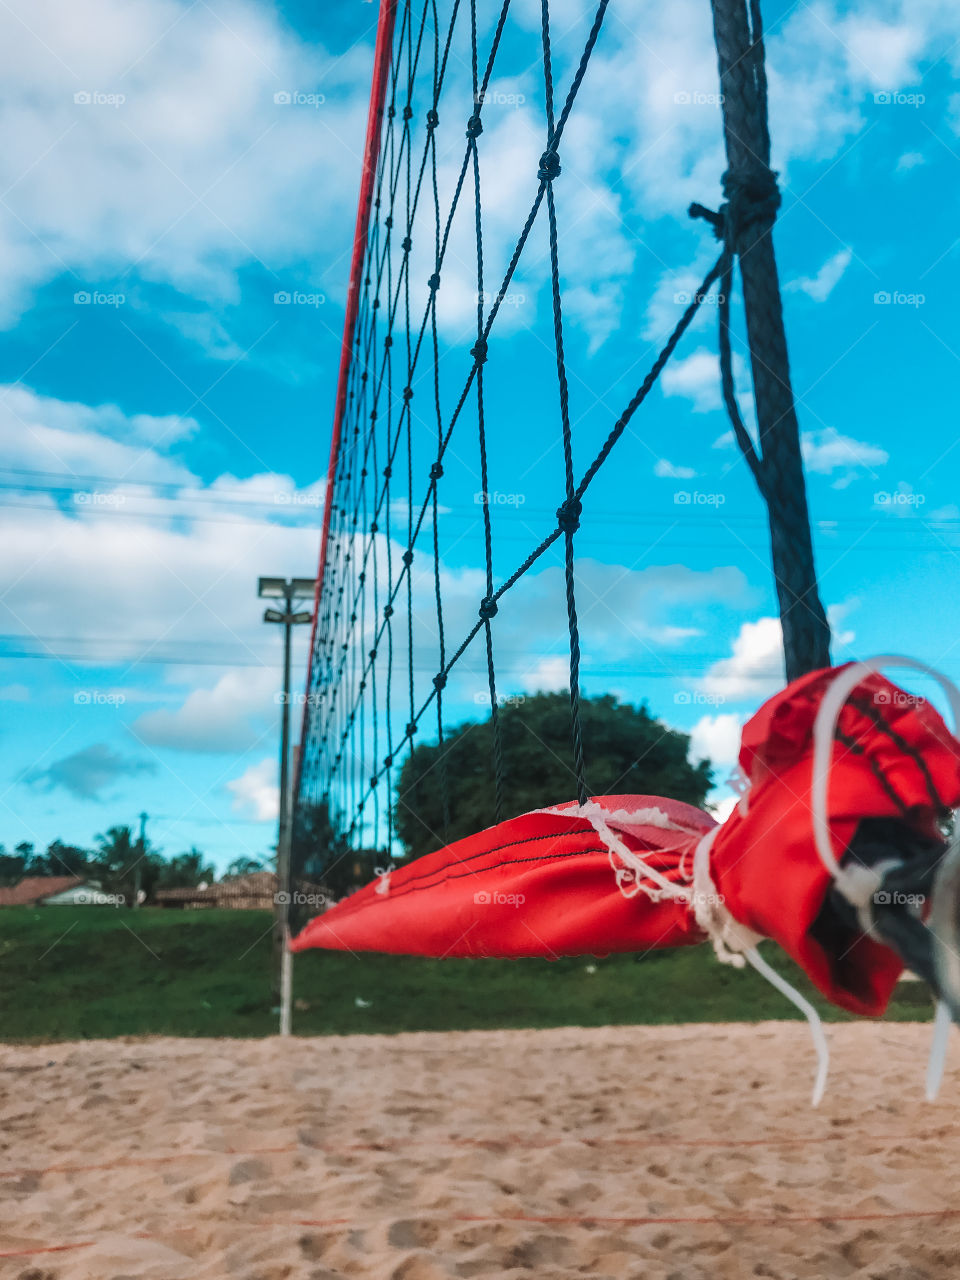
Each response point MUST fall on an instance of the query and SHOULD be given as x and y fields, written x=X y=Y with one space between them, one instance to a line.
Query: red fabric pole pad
x=538 y=885
x=893 y=754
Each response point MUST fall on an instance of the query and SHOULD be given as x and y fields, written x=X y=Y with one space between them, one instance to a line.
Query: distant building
x=254 y=892
x=55 y=891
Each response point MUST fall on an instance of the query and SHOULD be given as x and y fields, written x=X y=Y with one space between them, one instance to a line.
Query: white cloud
x=196 y=172
x=77 y=440
x=820 y=286
x=697 y=378
x=884 y=54
x=231 y=716
x=723 y=807
x=663 y=467
x=147 y=563
x=549 y=675
x=837 y=614
x=256 y=793
x=910 y=160
x=827 y=451
x=755 y=668
x=716 y=738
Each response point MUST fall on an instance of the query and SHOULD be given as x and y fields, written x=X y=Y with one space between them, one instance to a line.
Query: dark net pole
x=750 y=187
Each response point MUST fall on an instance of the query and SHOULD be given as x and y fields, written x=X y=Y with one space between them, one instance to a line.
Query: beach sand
x=654 y=1152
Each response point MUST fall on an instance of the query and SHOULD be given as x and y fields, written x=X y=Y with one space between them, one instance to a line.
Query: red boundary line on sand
x=371 y=156
x=579 y=1220
x=508 y=1140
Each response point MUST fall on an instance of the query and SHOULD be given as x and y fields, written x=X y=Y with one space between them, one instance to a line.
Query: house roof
x=259 y=884
x=33 y=889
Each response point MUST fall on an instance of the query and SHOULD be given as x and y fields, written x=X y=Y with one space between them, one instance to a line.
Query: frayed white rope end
x=632 y=873
x=809 y=1012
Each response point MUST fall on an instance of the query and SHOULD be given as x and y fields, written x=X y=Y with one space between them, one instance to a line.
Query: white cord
x=938 y=1050
x=809 y=1012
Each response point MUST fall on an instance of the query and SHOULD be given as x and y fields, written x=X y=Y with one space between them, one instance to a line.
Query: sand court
x=682 y=1152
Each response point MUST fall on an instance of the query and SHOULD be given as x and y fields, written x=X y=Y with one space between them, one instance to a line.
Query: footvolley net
x=431 y=306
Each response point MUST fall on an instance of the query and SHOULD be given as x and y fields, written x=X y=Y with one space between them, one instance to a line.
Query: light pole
x=288 y=591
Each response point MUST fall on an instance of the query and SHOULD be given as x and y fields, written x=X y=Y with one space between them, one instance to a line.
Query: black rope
x=569 y=513
x=744 y=223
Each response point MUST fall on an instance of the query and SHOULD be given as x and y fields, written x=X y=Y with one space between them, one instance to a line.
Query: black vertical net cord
x=569 y=513
x=411 y=389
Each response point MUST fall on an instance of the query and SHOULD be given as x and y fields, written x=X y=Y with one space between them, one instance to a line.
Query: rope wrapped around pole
x=745 y=225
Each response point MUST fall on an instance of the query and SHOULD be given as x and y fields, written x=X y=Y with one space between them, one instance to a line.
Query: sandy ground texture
x=641 y=1152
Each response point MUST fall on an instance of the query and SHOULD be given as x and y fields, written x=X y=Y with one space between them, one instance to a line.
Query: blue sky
x=166 y=420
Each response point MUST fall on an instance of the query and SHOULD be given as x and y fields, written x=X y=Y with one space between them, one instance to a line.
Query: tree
x=12 y=867
x=627 y=750
x=184 y=871
x=61 y=860
x=121 y=864
x=321 y=854
x=243 y=867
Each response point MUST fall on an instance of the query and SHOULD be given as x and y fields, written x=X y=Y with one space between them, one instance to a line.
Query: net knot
x=388 y=341
x=568 y=515
x=440 y=681
x=433 y=284
x=411 y=728
x=436 y=471
x=474 y=126
x=408 y=557
x=375 y=305
x=549 y=166
x=488 y=608
x=388 y=221
x=752 y=198
x=388 y=610
x=391 y=111
x=387 y=761
x=373 y=415
x=408 y=393
x=372 y=655
x=408 y=113
x=406 y=244
x=479 y=351
x=432 y=119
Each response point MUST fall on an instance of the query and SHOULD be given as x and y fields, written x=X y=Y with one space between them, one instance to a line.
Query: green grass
x=79 y=972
